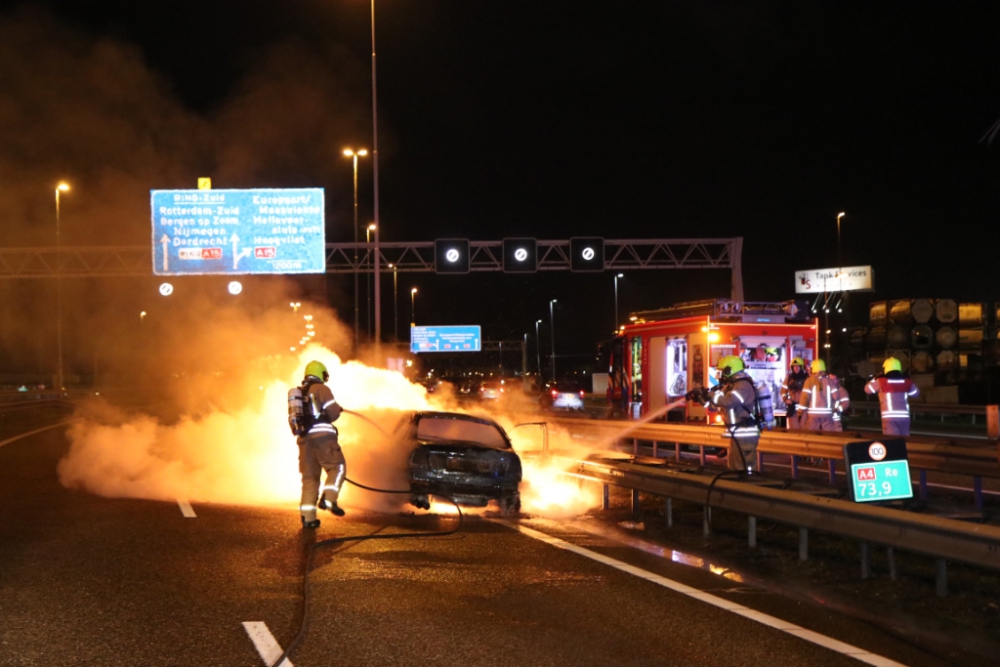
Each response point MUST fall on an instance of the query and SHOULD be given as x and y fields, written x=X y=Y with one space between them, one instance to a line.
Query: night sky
x=500 y=118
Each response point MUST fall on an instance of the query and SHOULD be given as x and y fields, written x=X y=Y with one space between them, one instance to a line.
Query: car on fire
x=459 y=456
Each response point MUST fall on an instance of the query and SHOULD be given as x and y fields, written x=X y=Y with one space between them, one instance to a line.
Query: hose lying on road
x=356 y=538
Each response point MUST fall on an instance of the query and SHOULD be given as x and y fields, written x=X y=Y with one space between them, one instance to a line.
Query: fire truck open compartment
x=669 y=352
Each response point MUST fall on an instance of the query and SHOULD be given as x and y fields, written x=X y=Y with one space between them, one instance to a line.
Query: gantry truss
x=619 y=255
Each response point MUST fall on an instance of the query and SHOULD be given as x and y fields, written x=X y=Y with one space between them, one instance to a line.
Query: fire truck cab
x=668 y=352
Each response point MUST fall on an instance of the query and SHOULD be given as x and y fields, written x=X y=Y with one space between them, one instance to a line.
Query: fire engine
x=663 y=354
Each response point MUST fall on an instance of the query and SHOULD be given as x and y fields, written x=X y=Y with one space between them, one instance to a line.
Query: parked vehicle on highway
x=562 y=396
x=463 y=457
x=492 y=390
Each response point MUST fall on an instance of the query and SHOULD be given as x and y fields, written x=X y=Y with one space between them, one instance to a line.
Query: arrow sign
x=237 y=256
x=166 y=259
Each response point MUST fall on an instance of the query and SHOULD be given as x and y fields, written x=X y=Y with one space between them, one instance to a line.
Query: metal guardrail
x=939 y=538
x=977 y=461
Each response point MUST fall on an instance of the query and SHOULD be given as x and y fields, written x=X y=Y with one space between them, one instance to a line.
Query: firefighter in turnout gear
x=736 y=397
x=791 y=391
x=822 y=399
x=894 y=394
x=312 y=410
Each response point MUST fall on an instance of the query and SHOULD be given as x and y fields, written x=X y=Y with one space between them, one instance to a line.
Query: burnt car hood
x=461 y=469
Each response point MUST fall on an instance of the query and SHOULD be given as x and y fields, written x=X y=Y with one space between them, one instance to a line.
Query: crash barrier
x=939 y=538
x=974 y=460
x=976 y=413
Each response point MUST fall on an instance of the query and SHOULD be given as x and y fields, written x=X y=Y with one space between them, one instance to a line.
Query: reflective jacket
x=737 y=399
x=822 y=395
x=791 y=388
x=321 y=407
x=894 y=394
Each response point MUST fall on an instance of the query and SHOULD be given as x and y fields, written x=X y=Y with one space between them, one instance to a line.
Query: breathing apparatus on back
x=303 y=410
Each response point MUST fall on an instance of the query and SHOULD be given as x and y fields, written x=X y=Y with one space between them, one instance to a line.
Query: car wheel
x=510 y=506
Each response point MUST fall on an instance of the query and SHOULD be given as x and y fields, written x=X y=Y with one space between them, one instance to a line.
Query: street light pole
x=413 y=307
x=368 y=282
x=538 y=350
x=840 y=256
x=355 y=154
x=378 y=302
x=62 y=187
x=552 y=331
x=395 y=304
x=620 y=275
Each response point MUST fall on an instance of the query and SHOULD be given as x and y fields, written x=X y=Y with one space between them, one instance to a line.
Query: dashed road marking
x=37 y=430
x=265 y=642
x=187 y=510
x=752 y=614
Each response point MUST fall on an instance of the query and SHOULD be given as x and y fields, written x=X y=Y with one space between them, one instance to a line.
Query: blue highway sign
x=446 y=339
x=238 y=231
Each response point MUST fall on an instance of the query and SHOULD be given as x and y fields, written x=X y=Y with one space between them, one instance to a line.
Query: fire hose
x=356 y=538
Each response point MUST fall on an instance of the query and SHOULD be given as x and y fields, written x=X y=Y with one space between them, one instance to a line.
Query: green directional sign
x=878 y=470
x=885 y=480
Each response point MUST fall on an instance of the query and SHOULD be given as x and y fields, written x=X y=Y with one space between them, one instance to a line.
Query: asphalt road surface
x=102 y=582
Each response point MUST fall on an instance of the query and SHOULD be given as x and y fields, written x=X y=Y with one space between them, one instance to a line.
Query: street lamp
x=395 y=304
x=538 y=349
x=61 y=187
x=552 y=332
x=355 y=155
x=413 y=309
x=620 y=275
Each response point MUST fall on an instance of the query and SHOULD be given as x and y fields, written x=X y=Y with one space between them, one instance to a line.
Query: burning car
x=463 y=457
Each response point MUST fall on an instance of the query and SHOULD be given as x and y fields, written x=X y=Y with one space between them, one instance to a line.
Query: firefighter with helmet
x=791 y=391
x=822 y=400
x=736 y=397
x=894 y=393
x=312 y=411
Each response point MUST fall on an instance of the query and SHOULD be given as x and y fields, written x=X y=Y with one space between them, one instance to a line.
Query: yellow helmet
x=818 y=366
x=891 y=364
x=799 y=361
x=729 y=365
x=317 y=370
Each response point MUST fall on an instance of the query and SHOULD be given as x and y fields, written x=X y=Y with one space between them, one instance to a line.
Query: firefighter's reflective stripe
x=329 y=403
x=337 y=482
x=821 y=395
x=307 y=508
x=893 y=395
x=323 y=427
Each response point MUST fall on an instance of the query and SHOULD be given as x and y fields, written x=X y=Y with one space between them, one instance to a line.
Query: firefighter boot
x=324 y=504
x=309 y=524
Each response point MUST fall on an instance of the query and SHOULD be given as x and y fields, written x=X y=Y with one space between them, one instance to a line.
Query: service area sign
x=446 y=339
x=878 y=470
x=843 y=279
x=238 y=231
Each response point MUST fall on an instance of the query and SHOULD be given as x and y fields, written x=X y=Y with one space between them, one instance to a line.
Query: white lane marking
x=265 y=642
x=188 y=511
x=37 y=430
x=776 y=623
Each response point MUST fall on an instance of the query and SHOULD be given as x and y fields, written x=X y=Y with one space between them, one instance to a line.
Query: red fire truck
x=663 y=354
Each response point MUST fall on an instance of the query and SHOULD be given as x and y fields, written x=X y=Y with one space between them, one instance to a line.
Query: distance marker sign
x=878 y=470
x=198 y=232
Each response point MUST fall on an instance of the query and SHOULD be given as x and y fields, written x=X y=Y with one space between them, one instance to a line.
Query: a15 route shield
x=238 y=231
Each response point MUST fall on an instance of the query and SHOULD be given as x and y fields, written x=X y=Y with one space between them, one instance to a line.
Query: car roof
x=454 y=415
